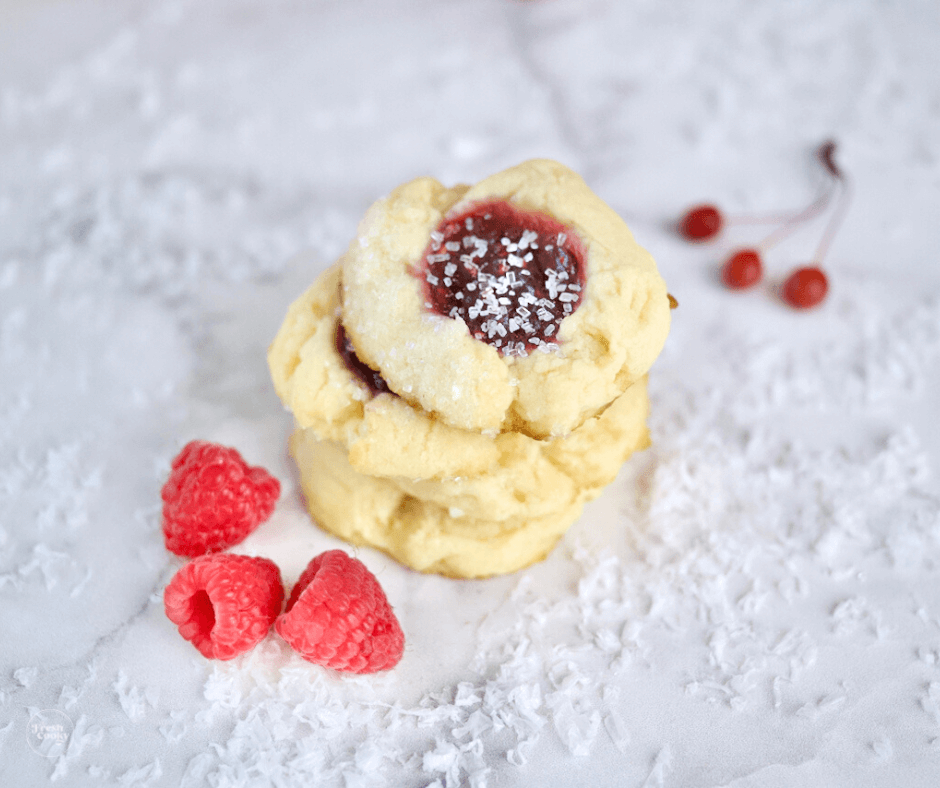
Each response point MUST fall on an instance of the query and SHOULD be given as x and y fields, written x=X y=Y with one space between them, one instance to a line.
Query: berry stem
x=793 y=223
x=825 y=154
x=838 y=214
x=806 y=287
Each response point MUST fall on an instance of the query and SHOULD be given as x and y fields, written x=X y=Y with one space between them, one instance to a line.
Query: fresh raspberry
x=224 y=604
x=338 y=616
x=213 y=499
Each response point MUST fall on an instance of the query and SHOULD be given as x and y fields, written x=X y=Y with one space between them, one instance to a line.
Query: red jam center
x=511 y=275
x=375 y=382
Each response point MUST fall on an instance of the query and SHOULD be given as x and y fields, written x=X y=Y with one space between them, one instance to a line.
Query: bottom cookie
x=411 y=522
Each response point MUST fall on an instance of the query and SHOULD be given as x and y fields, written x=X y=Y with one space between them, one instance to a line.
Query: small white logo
x=49 y=732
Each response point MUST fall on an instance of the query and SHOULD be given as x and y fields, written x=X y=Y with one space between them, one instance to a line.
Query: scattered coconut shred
x=746 y=560
x=740 y=568
x=759 y=592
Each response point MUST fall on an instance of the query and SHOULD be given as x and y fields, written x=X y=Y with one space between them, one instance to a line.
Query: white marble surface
x=755 y=601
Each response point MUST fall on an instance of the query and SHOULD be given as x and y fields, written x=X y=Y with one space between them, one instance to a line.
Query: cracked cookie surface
x=606 y=342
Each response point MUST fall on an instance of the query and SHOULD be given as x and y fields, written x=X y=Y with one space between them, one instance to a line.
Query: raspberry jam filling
x=511 y=275
x=354 y=364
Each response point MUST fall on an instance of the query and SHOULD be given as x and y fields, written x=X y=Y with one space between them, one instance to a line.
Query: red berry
x=338 y=616
x=805 y=288
x=742 y=269
x=224 y=604
x=701 y=223
x=213 y=499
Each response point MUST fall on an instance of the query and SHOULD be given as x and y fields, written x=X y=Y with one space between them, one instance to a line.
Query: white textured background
x=755 y=602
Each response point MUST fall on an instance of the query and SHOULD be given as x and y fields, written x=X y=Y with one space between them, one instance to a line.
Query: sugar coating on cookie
x=592 y=341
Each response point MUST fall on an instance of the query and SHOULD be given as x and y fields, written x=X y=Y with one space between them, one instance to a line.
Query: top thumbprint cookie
x=521 y=303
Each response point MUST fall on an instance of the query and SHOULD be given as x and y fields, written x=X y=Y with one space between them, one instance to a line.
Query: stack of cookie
x=472 y=370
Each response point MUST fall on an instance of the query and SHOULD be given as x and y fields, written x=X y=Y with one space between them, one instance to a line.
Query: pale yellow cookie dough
x=384 y=435
x=481 y=462
x=607 y=344
x=501 y=520
x=308 y=373
x=534 y=477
